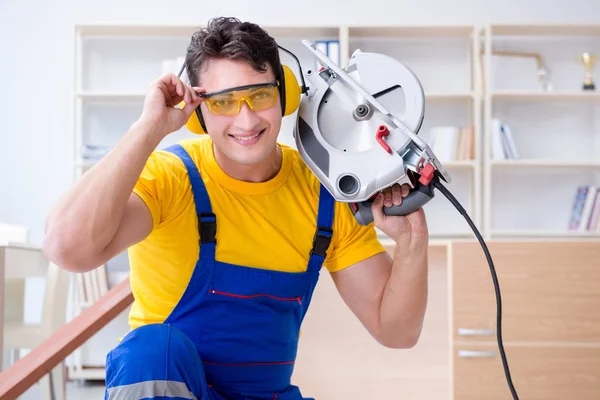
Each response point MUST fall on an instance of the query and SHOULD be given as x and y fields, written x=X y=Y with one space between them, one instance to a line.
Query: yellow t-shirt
x=264 y=225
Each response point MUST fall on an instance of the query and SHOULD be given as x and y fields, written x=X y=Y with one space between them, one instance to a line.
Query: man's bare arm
x=99 y=217
x=389 y=294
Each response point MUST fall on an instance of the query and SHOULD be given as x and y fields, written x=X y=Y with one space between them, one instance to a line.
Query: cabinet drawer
x=538 y=372
x=550 y=291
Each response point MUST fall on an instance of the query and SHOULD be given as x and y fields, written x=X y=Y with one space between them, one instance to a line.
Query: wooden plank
x=23 y=374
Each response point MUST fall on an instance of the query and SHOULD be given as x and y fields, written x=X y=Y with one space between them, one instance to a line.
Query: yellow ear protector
x=290 y=93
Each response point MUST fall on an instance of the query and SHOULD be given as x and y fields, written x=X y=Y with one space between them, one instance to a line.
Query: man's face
x=250 y=136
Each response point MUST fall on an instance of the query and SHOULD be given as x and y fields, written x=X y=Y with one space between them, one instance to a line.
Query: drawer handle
x=476 y=354
x=474 y=332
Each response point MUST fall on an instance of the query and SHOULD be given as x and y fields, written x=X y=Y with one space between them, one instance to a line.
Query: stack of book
x=452 y=143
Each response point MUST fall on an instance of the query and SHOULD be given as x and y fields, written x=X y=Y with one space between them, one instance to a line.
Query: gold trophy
x=589 y=61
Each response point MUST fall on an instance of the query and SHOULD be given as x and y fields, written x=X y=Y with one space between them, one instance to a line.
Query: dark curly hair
x=230 y=38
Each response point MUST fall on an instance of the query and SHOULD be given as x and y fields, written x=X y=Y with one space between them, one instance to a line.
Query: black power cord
x=438 y=184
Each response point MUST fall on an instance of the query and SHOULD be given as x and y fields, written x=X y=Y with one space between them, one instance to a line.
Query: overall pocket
x=250 y=326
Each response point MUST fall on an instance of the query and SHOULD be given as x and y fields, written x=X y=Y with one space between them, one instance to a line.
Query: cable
x=438 y=184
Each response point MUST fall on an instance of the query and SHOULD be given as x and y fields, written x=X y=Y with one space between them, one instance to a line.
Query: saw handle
x=417 y=198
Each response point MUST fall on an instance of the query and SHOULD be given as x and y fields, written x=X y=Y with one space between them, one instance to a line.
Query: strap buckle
x=207 y=226
x=321 y=241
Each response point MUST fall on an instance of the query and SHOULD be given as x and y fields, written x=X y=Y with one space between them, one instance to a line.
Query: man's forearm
x=404 y=299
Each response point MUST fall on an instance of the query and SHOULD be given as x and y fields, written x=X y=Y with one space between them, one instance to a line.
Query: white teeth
x=247 y=138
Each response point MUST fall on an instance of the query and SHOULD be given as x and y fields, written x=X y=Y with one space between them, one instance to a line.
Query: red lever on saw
x=382 y=132
x=427 y=173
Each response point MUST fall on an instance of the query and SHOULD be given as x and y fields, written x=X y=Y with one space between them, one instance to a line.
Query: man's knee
x=139 y=350
x=154 y=354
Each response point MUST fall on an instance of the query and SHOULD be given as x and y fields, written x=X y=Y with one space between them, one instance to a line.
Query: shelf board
x=540 y=233
x=466 y=164
x=547 y=163
x=450 y=234
x=303 y=32
x=546 y=29
x=110 y=96
x=411 y=31
x=545 y=96
x=453 y=96
x=187 y=30
x=136 y=29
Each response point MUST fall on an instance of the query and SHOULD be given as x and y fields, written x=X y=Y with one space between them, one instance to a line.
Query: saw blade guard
x=357 y=127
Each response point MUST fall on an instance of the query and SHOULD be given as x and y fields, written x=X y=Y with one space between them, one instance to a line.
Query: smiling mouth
x=248 y=138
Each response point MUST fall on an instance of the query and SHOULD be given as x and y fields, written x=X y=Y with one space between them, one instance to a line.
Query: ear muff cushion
x=194 y=125
x=292 y=91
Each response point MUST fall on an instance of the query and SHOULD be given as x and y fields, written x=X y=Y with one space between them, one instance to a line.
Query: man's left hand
x=408 y=231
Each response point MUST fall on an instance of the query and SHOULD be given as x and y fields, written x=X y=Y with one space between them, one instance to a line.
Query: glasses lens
x=223 y=104
x=230 y=103
x=263 y=98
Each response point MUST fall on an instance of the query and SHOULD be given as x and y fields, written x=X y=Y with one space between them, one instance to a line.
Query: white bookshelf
x=556 y=131
x=115 y=63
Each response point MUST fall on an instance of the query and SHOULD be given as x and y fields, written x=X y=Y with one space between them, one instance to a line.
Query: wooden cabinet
x=550 y=294
x=551 y=328
x=539 y=372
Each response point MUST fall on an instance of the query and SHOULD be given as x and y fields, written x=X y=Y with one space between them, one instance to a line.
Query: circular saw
x=357 y=131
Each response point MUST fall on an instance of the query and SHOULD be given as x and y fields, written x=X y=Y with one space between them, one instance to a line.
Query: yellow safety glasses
x=229 y=102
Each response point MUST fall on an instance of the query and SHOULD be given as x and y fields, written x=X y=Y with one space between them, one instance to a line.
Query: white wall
x=36 y=67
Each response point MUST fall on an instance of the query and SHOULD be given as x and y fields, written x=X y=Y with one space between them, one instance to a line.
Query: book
x=585 y=209
x=451 y=143
x=503 y=141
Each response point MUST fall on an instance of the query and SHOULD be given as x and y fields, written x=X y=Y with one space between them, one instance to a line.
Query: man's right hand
x=163 y=95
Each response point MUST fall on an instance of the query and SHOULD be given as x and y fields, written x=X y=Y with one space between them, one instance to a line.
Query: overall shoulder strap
x=207 y=220
x=324 y=231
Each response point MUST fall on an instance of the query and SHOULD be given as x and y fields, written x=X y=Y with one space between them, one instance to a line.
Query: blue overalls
x=233 y=334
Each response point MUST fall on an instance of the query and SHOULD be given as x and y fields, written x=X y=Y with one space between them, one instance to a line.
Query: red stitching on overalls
x=298 y=299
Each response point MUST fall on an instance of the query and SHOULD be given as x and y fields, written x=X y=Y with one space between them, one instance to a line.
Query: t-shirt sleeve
x=351 y=242
x=154 y=186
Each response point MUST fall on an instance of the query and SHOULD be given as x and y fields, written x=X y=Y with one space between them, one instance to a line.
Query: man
x=226 y=236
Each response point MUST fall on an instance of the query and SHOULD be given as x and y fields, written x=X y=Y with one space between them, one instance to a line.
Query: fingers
x=377 y=209
x=387 y=197
x=405 y=190
x=397 y=194
x=175 y=85
x=393 y=196
x=176 y=92
x=192 y=99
